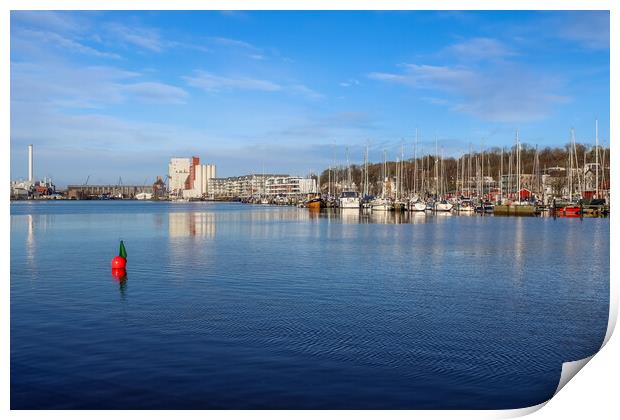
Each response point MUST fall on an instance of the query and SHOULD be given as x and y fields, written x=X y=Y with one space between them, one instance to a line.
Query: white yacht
x=381 y=204
x=415 y=204
x=443 y=205
x=349 y=200
x=466 y=206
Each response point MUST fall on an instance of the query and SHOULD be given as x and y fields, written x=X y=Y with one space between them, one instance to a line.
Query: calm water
x=238 y=306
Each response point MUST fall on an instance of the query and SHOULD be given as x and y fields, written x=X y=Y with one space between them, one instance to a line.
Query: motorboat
x=349 y=200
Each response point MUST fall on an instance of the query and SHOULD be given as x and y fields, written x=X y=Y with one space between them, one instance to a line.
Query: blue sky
x=116 y=94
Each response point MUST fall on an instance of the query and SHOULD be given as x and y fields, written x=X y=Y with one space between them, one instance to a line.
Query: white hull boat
x=443 y=206
x=381 y=204
x=349 y=200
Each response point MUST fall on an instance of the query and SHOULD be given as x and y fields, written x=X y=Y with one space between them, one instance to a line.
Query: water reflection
x=350 y=215
x=120 y=275
x=191 y=224
x=30 y=249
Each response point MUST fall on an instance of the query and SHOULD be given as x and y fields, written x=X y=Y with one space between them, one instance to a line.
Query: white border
x=593 y=395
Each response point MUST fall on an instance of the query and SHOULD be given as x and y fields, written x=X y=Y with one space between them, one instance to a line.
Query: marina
x=308 y=209
x=429 y=183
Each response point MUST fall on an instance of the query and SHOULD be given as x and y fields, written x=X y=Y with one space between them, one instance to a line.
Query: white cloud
x=588 y=28
x=305 y=91
x=349 y=83
x=142 y=37
x=154 y=92
x=47 y=19
x=58 y=41
x=506 y=93
x=53 y=84
x=213 y=83
x=229 y=42
x=479 y=49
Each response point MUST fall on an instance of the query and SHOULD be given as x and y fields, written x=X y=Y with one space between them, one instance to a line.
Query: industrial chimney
x=30 y=177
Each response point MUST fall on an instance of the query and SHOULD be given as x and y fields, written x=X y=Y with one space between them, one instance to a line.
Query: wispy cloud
x=328 y=127
x=86 y=87
x=230 y=42
x=212 y=83
x=241 y=47
x=142 y=37
x=479 y=49
x=349 y=83
x=159 y=93
x=506 y=93
x=55 y=40
x=427 y=76
x=588 y=28
x=305 y=91
x=50 y=20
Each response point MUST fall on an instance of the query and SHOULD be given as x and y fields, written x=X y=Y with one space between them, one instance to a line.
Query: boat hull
x=443 y=207
x=349 y=203
x=512 y=210
x=417 y=206
x=314 y=204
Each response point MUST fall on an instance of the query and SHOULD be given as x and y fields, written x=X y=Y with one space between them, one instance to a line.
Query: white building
x=269 y=184
x=178 y=172
x=189 y=179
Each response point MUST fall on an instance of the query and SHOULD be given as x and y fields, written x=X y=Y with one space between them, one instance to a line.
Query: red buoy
x=118 y=262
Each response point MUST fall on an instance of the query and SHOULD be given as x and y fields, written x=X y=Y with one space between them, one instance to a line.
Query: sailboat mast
x=596 y=153
x=415 y=164
x=436 y=168
x=501 y=174
x=348 y=169
x=384 y=174
x=518 y=167
x=456 y=186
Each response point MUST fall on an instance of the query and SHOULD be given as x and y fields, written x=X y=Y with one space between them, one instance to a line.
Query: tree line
x=490 y=161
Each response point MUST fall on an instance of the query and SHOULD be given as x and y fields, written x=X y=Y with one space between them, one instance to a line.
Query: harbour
x=308 y=209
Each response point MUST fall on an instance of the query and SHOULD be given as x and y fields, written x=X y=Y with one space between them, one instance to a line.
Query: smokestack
x=30 y=177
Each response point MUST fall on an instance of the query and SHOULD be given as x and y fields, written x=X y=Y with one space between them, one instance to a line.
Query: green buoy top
x=122 y=252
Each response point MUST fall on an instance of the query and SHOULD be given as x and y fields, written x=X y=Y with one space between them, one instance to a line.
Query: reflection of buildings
x=190 y=179
x=191 y=224
x=255 y=184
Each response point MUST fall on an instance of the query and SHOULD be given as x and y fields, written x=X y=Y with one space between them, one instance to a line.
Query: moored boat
x=349 y=200
x=381 y=204
x=315 y=203
x=443 y=206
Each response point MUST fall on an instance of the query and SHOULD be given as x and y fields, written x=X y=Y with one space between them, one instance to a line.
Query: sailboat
x=442 y=205
x=518 y=207
x=349 y=199
x=365 y=201
x=382 y=203
x=415 y=203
